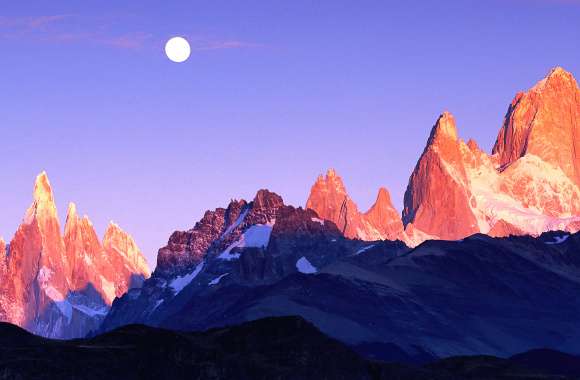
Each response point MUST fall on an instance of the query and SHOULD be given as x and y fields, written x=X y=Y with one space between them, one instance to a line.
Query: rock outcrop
x=330 y=200
x=544 y=122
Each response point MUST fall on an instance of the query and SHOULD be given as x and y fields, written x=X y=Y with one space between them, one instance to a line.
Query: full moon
x=177 y=49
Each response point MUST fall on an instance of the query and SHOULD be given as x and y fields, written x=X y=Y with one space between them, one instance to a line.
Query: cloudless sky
x=274 y=93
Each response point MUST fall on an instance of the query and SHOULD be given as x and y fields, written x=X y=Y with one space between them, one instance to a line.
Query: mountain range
x=468 y=268
x=62 y=285
x=483 y=258
x=528 y=185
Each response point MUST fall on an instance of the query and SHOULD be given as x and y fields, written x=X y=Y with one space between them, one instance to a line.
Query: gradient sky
x=274 y=93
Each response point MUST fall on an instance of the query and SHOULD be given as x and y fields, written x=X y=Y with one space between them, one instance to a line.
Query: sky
x=273 y=94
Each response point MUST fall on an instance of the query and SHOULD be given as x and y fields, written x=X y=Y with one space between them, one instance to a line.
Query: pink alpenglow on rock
x=62 y=286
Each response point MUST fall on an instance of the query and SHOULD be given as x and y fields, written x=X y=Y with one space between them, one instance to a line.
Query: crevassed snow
x=558 y=240
x=304 y=266
x=491 y=202
x=236 y=223
x=217 y=280
x=318 y=220
x=256 y=236
x=181 y=282
x=363 y=249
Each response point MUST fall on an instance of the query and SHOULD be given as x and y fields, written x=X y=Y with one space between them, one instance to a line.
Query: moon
x=177 y=49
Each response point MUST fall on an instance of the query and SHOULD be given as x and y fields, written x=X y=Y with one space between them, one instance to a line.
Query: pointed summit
x=329 y=199
x=330 y=182
x=71 y=211
x=557 y=77
x=42 y=189
x=383 y=200
x=437 y=196
x=116 y=241
x=444 y=128
x=384 y=217
x=265 y=199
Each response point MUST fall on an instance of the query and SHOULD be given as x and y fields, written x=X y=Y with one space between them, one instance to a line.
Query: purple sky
x=274 y=93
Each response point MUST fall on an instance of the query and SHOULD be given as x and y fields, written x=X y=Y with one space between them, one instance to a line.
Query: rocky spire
x=545 y=122
x=43 y=205
x=329 y=199
x=384 y=217
x=118 y=242
x=437 y=199
x=444 y=129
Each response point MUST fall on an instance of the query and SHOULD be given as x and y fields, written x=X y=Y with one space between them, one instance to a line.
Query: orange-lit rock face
x=329 y=199
x=126 y=259
x=529 y=185
x=56 y=286
x=544 y=122
x=437 y=200
x=108 y=267
x=383 y=217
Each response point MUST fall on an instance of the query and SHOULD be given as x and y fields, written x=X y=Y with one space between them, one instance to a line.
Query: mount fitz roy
x=494 y=269
x=62 y=286
x=529 y=185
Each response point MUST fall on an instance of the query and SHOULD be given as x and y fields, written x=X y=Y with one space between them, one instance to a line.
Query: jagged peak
x=43 y=201
x=71 y=211
x=113 y=227
x=559 y=72
x=444 y=128
x=267 y=199
x=383 y=195
x=331 y=173
x=117 y=240
x=330 y=180
x=472 y=145
x=555 y=76
x=383 y=200
x=114 y=232
x=42 y=189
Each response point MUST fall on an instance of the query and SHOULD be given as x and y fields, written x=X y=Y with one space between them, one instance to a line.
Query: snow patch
x=181 y=282
x=558 y=240
x=257 y=236
x=318 y=220
x=43 y=278
x=236 y=223
x=159 y=302
x=304 y=266
x=363 y=249
x=217 y=280
x=90 y=311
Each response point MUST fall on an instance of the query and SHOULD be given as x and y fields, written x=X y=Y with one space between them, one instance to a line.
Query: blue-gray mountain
x=479 y=295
